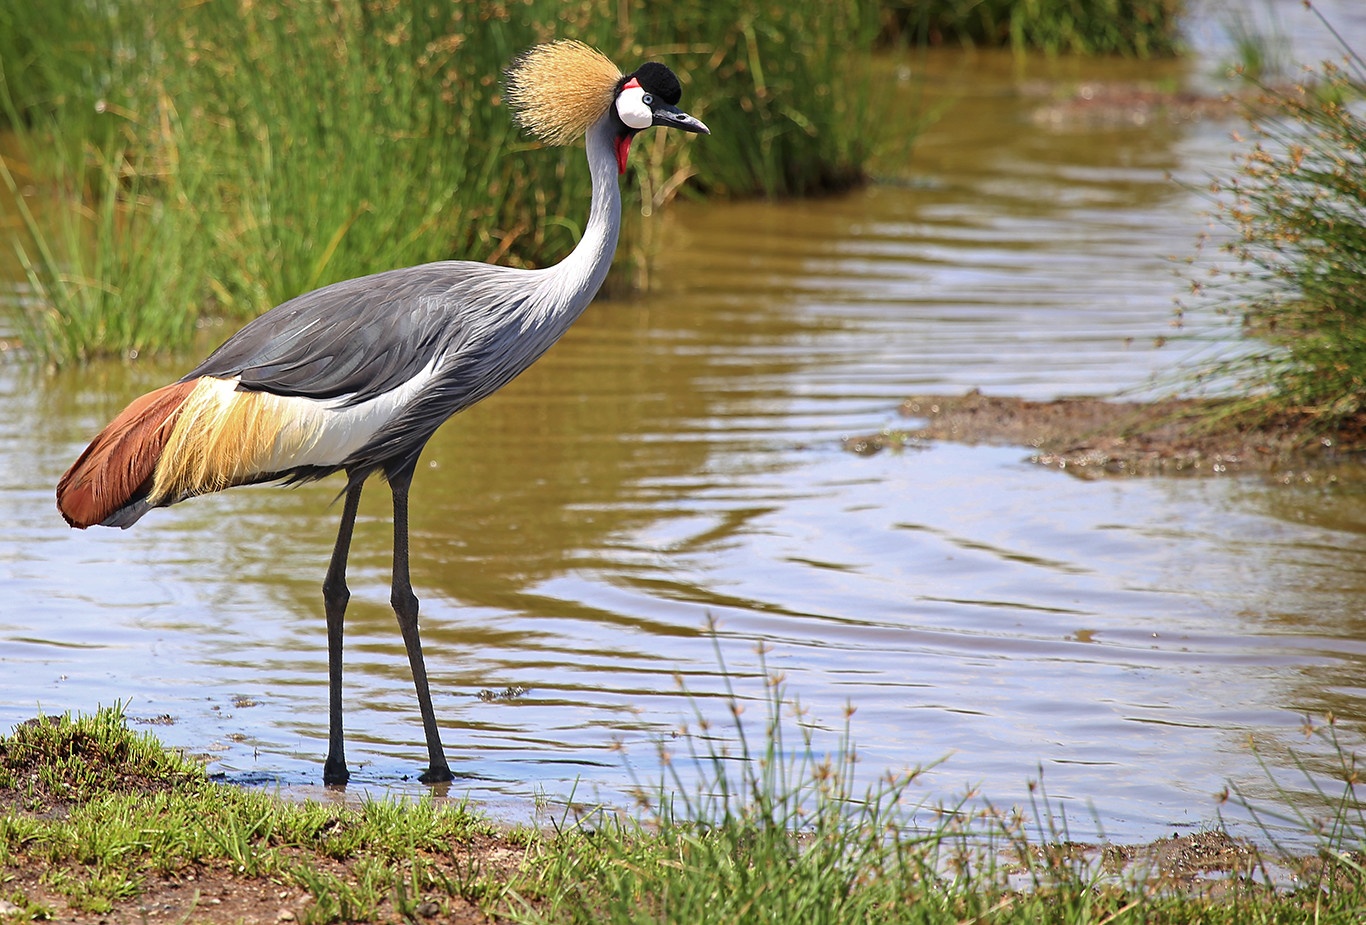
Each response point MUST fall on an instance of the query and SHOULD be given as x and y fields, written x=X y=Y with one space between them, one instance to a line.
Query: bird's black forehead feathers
x=656 y=78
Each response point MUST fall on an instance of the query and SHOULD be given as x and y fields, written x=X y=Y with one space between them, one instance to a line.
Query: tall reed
x=1136 y=28
x=786 y=89
x=325 y=140
x=352 y=138
x=117 y=254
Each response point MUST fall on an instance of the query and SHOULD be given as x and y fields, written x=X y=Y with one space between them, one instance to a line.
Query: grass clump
x=768 y=833
x=775 y=830
x=56 y=759
x=1296 y=206
x=94 y=817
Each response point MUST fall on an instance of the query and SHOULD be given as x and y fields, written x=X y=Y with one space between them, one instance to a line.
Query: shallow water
x=677 y=459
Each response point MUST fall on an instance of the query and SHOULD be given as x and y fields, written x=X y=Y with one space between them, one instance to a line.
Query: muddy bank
x=1093 y=437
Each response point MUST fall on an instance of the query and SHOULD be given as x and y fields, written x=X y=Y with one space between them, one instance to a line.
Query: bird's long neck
x=571 y=284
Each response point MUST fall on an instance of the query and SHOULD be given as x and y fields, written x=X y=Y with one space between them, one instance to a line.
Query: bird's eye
x=648 y=100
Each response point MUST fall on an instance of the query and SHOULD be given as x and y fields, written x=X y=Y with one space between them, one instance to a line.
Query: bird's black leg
x=405 y=606
x=335 y=596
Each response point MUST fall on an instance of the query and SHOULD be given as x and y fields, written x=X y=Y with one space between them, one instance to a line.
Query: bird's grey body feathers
x=349 y=341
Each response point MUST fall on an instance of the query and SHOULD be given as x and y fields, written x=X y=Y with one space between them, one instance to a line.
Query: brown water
x=677 y=459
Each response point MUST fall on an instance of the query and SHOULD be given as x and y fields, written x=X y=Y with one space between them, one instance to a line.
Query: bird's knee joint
x=405 y=605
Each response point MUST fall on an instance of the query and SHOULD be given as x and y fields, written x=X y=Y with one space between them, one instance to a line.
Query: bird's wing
x=351 y=340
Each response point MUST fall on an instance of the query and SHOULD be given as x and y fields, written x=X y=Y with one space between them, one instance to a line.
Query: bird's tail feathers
x=116 y=468
x=188 y=439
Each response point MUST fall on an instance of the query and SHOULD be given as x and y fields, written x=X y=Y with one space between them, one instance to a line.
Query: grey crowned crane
x=355 y=377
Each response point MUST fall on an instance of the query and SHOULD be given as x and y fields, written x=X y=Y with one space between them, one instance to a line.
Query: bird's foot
x=335 y=773
x=437 y=774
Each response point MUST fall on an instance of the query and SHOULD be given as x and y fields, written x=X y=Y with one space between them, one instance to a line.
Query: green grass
x=47 y=759
x=787 y=91
x=1296 y=206
x=97 y=820
x=1260 y=47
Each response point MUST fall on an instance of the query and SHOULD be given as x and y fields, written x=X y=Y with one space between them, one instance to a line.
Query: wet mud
x=1093 y=437
x=1108 y=103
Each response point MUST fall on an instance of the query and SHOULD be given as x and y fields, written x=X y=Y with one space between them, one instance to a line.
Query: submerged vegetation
x=1296 y=207
x=97 y=821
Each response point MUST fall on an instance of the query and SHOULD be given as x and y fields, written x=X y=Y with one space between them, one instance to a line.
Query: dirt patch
x=1117 y=103
x=1093 y=437
x=217 y=894
x=1206 y=864
x=1181 y=859
x=1100 y=103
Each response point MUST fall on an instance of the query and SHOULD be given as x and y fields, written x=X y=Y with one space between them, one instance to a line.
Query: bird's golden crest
x=557 y=90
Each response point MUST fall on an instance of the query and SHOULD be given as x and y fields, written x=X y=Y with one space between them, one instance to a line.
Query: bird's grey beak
x=673 y=117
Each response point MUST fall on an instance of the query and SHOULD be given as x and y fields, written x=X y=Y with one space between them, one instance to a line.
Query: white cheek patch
x=632 y=108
